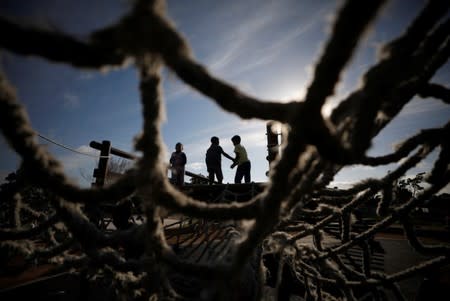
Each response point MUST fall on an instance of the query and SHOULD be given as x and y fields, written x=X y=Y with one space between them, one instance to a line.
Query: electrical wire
x=69 y=148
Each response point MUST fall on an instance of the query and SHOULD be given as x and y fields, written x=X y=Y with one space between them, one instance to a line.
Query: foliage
x=413 y=185
x=116 y=168
x=22 y=204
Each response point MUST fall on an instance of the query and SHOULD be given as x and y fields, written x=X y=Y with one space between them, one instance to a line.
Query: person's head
x=178 y=147
x=236 y=139
x=215 y=140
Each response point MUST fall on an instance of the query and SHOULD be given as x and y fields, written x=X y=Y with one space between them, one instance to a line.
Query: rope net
x=294 y=213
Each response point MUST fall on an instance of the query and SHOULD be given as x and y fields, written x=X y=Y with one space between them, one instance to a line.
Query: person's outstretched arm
x=235 y=161
x=227 y=155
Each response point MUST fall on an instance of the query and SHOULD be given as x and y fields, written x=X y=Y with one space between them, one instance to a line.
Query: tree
x=116 y=168
x=412 y=184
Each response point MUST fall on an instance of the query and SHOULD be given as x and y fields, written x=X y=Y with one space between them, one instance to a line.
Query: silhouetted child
x=177 y=162
x=214 y=160
x=241 y=160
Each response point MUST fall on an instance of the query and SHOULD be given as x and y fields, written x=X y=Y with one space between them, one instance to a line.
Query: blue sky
x=265 y=48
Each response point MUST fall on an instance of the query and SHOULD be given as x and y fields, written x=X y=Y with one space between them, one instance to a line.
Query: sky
x=265 y=48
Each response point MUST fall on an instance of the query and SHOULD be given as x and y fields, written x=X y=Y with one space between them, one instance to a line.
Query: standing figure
x=241 y=160
x=214 y=160
x=177 y=162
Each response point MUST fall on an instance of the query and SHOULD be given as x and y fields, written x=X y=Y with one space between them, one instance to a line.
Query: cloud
x=341 y=184
x=420 y=107
x=250 y=44
x=235 y=41
x=70 y=101
x=422 y=165
x=243 y=44
x=195 y=166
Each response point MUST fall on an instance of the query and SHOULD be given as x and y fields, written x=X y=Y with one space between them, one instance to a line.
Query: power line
x=69 y=148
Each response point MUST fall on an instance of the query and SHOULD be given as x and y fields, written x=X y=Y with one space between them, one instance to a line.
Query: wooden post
x=101 y=171
x=272 y=142
x=93 y=209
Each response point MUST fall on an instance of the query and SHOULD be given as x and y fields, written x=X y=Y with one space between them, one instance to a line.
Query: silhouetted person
x=177 y=162
x=241 y=160
x=214 y=160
